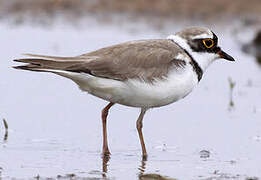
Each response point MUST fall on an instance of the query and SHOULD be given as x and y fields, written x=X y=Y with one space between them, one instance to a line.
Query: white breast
x=137 y=93
x=162 y=92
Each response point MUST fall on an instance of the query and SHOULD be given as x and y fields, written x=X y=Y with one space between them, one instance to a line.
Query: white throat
x=204 y=59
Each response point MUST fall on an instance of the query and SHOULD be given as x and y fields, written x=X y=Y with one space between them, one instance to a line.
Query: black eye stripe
x=197 y=45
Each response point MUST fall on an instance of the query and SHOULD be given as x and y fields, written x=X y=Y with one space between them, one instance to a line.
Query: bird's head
x=201 y=44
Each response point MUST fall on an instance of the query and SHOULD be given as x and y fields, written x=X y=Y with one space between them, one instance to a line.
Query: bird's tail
x=48 y=63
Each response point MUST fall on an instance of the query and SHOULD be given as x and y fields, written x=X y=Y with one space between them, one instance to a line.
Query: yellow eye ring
x=208 y=43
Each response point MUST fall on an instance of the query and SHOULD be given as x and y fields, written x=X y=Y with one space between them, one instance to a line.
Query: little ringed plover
x=142 y=73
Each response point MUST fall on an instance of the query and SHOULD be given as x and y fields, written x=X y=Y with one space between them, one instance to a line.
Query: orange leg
x=139 y=128
x=105 y=111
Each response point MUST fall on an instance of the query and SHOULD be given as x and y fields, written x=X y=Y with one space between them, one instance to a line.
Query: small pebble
x=204 y=154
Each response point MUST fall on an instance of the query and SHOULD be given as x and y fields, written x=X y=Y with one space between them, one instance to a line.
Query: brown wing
x=146 y=60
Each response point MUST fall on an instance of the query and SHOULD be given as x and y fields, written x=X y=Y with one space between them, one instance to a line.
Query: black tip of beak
x=224 y=55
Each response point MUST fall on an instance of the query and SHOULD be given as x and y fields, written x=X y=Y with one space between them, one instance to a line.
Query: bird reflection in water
x=105 y=164
x=105 y=161
x=141 y=170
x=142 y=167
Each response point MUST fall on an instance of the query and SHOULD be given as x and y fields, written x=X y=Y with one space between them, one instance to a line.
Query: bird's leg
x=139 y=128
x=105 y=160
x=142 y=167
x=105 y=111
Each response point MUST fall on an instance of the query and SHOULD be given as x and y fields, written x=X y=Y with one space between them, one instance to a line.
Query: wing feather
x=146 y=60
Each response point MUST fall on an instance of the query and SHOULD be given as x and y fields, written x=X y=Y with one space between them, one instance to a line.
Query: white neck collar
x=204 y=59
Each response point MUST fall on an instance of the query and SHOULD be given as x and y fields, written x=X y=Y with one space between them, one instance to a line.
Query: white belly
x=137 y=93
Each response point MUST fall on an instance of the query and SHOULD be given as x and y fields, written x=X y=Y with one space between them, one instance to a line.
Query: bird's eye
x=208 y=43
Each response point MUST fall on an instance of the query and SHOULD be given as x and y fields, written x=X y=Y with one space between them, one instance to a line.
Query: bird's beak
x=224 y=55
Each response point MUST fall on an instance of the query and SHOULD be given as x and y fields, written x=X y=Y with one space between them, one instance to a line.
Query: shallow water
x=55 y=129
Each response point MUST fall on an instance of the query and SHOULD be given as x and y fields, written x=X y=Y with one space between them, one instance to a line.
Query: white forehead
x=207 y=34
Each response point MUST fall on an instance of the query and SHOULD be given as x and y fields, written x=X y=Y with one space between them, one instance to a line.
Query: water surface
x=55 y=129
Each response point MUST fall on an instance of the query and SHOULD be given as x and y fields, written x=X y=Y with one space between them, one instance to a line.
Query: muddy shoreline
x=202 y=10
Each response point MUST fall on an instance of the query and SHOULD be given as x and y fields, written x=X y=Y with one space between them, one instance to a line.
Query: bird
x=143 y=74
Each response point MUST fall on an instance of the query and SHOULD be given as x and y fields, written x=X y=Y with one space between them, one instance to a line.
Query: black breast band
x=193 y=63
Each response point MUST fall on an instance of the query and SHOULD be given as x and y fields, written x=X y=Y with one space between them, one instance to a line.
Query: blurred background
x=53 y=130
x=186 y=9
